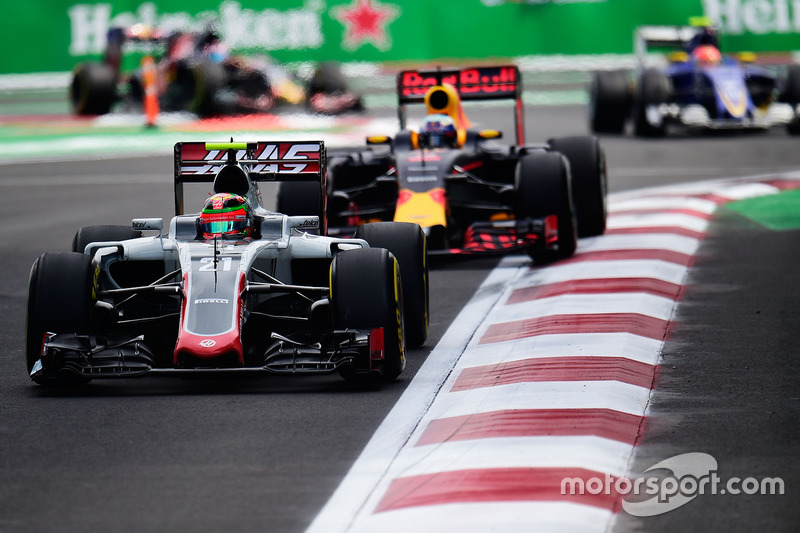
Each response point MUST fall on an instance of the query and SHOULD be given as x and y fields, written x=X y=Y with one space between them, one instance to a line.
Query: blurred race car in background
x=470 y=193
x=700 y=88
x=195 y=72
x=232 y=288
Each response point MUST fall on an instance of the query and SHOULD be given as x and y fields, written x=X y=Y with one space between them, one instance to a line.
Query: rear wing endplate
x=477 y=83
x=199 y=162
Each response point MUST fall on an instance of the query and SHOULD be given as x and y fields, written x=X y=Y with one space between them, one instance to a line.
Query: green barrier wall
x=53 y=35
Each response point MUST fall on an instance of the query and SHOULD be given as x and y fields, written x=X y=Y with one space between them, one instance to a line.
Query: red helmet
x=226 y=215
x=707 y=55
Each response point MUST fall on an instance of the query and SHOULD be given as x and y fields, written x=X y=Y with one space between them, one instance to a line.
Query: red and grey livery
x=282 y=297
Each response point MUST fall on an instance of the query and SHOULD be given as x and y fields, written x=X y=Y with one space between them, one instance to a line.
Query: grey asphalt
x=729 y=382
x=157 y=454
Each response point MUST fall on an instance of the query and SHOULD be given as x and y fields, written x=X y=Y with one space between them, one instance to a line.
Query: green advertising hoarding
x=54 y=35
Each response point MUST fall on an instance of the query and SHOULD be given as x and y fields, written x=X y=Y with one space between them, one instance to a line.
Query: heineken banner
x=54 y=35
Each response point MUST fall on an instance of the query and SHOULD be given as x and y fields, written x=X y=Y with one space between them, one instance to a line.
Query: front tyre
x=654 y=89
x=59 y=299
x=366 y=293
x=89 y=234
x=407 y=243
x=542 y=184
x=791 y=95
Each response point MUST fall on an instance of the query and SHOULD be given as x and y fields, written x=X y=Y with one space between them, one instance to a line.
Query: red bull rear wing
x=471 y=84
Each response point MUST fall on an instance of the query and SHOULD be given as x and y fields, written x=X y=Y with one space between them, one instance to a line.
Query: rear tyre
x=328 y=79
x=93 y=89
x=609 y=102
x=300 y=198
x=407 y=243
x=587 y=165
x=209 y=80
x=542 y=184
x=59 y=300
x=366 y=293
x=654 y=89
x=88 y=234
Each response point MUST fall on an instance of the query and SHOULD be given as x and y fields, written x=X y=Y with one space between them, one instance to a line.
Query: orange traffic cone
x=151 y=108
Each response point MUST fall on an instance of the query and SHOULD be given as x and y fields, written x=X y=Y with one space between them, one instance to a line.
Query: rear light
x=376 y=345
x=551 y=229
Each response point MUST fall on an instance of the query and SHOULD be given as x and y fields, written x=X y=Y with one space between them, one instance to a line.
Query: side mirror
x=490 y=134
x=379 y=139
x=139 y=224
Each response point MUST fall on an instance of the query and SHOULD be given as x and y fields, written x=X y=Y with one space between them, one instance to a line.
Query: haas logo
x=207 y=343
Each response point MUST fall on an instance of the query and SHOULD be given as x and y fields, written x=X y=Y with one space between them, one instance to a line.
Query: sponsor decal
x=308 y=223
x=733 y=94
x=495 y=81
x=424 y=157
x=754 y=16
x=365 y=21
x=208 y=343
x=267 y=29
x=211 y=301
x=276 y=157
x=690 y=475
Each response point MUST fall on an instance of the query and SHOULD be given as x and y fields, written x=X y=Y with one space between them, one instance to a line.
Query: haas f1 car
x=699 y=89
x=194 y=72
x=470 y=194
x=233 y=288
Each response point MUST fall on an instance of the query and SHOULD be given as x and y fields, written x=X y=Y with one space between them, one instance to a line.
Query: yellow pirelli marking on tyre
x=398 y=315
x=425 y=281
x=95 y=281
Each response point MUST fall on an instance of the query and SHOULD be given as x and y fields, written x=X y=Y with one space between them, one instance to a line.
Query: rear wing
x=673 y=37
x=477 y=83
x=199 y=162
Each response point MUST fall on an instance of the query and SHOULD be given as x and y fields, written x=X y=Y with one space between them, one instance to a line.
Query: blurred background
x=56 y=99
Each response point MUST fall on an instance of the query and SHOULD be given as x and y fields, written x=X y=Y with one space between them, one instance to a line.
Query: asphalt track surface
x=159 y=454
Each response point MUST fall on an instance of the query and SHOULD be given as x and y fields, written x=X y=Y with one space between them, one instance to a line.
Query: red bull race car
x=699 y=89
x=468 y=192
x=233 y=288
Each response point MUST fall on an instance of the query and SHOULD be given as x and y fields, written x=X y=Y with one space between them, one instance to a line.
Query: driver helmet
x=226 y=215
x=441 y=131
x=707 y=55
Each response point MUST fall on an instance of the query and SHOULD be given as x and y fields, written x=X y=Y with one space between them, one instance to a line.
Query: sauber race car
x=195 y=72
x=469 y=193
x=699 y=89
x=233 y=288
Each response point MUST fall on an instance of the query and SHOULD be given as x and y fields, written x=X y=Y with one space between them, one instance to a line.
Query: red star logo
x=365 y=21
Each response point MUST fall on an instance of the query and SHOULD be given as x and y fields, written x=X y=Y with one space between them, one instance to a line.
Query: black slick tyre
x=366 y=294
x=791 y=95
x=59 y=299
x=93 y=89
x=609 y=102
x=654 y=89
x=300 y=198
x=587 y=164
x=88 y=234
x=407 y=243
x=542 y=184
